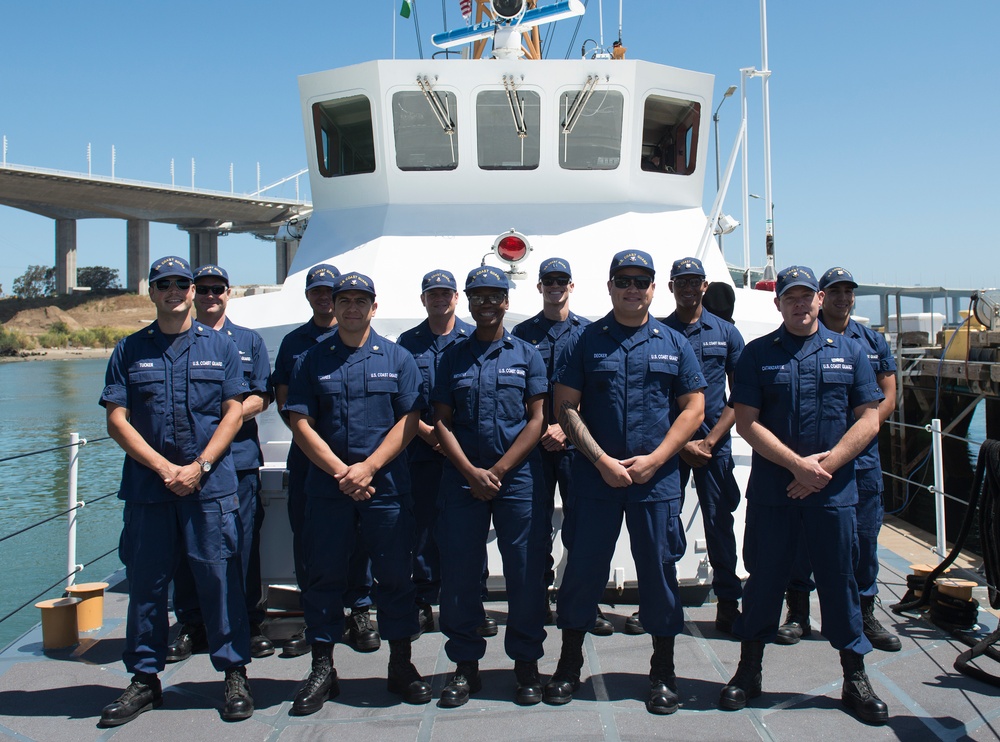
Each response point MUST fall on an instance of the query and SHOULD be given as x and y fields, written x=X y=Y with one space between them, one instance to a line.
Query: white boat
x=423 y=164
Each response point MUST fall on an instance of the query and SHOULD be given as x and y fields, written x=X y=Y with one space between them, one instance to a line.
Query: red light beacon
x=512 y=247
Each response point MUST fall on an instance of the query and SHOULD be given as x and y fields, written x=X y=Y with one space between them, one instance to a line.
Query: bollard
x=59 y=623
x=90 y=611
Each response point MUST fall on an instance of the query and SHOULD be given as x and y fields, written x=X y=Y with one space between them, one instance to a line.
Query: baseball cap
x=836 y=275
x=795 y=275
x=554 y=265
x=438 y=279
x=323 y=274
x=209 y=269
x=687 y=267
x=632 y=259
x=170 y=266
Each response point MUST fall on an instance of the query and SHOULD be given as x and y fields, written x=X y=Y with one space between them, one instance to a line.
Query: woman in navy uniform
x=806 y=401
x=615 y=388
x=489 y=412
x=354 y=402
x=173 y=398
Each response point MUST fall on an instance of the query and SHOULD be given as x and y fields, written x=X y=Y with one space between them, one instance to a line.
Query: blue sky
x=884 y=143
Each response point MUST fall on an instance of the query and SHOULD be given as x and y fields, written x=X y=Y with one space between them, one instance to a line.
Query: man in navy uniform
x=173 y=398
x=212 y=294
x=489 y=411
x=549 y=331
x=354 y=402
x=320 y=282
x=708 y=456
x=838 y=285
x=616 y=386
x=427 y=342
x=807 y=402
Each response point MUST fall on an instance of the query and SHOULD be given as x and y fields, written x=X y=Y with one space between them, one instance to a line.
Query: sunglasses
x=640 y=282
x=164 y=284
x=547 y=281
x=216 y=289
x=695 y=281
x=477 y=300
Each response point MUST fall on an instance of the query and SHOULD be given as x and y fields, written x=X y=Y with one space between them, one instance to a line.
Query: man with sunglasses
x=615 y=388
x=173 y=398
x=320 y=282
x=549 y=331
x=708 y=456
x=807 y=402
x=489 y=411
x=212 y=293
x=354 y=402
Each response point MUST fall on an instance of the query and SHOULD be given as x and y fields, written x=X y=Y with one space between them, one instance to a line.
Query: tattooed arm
x=567 y=402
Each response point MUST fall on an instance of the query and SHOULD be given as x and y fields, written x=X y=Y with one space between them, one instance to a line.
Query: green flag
x=406 y=9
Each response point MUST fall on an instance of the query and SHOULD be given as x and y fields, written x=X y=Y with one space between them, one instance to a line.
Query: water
x=42 y=403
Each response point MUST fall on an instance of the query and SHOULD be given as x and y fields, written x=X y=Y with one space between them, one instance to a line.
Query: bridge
x=67 y=197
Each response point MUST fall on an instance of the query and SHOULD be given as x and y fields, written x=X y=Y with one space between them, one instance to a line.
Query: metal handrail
x=80 y=442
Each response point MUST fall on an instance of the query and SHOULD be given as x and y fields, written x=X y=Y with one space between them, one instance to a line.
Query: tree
x=98 y=277
x=36 y=282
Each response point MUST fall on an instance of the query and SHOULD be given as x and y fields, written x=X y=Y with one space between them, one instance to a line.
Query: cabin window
x=345 y=136
x=508 y=129
x=670 y=135
x=590 y=129
x=424 y=124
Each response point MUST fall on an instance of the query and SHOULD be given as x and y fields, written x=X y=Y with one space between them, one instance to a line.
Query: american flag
x=466 y=7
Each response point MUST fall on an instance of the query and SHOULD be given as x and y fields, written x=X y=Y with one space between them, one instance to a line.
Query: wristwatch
x=206 y=466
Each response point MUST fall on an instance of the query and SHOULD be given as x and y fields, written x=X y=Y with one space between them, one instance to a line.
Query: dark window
x=345 y=137
x=590 y=135
x=425 y=130
x=508 y=129
x=670 y=135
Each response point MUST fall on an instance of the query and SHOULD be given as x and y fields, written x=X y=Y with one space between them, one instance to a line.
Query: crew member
x=615 y=388
x=212 y=294
x=173 y=398
x=838 y=285
x=489 y=409
x=708 y=456
x=807 y=402
x=354 y=402
x=427 y=341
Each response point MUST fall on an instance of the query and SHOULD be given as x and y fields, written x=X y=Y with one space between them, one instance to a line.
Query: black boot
x=321 y=685
x=190 y=639
x=260 y=645
x=425 y=619
x=463 y=682
x=529 y=685
x=602 y=626
x=857 y=693
x=662 y=681
x=796 y=625
x=488 y=627
x=361 y=635
x=566 y=679
x=296 y=645
x=726 y=613
x=633 y=625
x=239 y=702
x=403 y=678
x=143 y=693
x=745 y=684
x=878 y=635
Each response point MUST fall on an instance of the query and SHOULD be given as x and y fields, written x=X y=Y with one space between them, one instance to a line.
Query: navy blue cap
x=687 y=267
x=795 y=275
x=837 y=275
x=170 y=266
x=439 y=279
x=486 y=277
x=554 y=265
x=632 y=259
x=209 y=270
x=323 y=274
x=353 y=282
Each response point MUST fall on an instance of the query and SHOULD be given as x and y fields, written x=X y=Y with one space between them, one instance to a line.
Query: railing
x=74 y=504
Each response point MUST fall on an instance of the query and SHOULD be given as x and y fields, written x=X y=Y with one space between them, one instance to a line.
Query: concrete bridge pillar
x=137 y=263
x=204 y=248
x=65 y=256
x=284 y=251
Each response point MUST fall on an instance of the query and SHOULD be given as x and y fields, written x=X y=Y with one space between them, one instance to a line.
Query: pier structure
x=67 y=197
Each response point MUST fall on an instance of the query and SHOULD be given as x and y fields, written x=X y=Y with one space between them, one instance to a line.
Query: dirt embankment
x=77 y=312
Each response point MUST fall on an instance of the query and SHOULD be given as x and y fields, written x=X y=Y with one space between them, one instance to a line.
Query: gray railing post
x=939 y=517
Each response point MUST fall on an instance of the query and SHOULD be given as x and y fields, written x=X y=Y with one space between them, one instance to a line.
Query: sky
x=883 y=114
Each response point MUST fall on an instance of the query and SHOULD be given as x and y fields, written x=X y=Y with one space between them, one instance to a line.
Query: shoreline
x=58 y=354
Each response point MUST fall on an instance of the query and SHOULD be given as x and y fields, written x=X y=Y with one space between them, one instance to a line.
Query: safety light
x=508 y=9
x=511 y=247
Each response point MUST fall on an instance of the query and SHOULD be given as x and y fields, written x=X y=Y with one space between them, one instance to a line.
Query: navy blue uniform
x=293 y=345
x=805 y=390
x=355 y=396
x=425 y=463
x=247 y=458
x=628 y=378
x=173 y=387
x=550 y=338
x=717 y=344
x=868 y=472
x=487 y=387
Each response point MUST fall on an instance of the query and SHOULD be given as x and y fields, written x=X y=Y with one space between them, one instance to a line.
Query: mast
x=769 y=270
